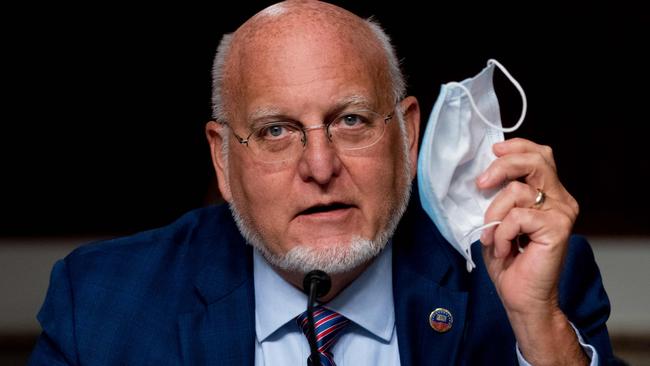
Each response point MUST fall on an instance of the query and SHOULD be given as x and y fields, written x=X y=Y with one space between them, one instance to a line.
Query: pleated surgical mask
x=457 y=147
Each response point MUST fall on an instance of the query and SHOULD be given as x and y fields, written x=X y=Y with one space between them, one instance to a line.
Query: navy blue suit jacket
x=183 y=295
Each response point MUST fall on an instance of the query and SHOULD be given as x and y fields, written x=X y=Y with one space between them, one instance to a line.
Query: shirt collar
x=367 y=301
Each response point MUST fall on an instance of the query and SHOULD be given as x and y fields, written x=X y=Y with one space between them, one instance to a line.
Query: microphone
x=316 y=284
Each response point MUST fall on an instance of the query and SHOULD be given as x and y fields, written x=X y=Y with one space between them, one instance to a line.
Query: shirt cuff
x=589 y=350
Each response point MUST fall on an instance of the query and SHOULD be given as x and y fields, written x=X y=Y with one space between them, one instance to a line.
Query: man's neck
x=339 y=280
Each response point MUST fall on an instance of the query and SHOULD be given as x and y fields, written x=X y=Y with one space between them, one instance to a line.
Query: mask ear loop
x=524 y=107
x=470 y=263
x=524 y=102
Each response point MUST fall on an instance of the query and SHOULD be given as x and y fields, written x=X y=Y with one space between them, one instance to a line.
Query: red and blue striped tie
x=329 y=325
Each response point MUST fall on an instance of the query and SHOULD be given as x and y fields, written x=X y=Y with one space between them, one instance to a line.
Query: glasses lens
x=276 y=141
x=357 y=129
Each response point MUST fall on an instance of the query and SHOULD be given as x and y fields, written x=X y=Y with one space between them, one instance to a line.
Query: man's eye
x=351 y=121
x=274 y=132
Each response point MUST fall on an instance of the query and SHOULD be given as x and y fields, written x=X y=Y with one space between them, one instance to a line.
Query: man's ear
x=411 y=111
x=214 y=132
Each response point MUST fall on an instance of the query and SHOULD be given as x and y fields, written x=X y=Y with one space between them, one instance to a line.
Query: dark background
x=104 y=104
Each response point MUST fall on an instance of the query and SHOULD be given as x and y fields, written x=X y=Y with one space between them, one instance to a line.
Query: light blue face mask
x=456 y=149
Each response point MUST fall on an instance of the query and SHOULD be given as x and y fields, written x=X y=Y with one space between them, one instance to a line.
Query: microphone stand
x=316 y=284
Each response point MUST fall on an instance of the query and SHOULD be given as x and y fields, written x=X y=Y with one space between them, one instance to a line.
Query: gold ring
x=539 y=199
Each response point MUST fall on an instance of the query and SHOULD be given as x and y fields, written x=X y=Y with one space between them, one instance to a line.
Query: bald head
x=300 y=17
x=292 y=36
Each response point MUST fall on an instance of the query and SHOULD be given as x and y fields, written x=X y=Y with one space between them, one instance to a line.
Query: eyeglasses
x=285 y=140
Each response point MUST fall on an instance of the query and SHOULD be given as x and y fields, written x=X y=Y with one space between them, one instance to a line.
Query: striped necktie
x=328 y=329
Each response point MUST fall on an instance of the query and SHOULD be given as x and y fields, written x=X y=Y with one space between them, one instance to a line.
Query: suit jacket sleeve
x=583 y=298
x=56 y=344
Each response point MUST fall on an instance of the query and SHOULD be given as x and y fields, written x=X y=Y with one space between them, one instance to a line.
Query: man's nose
x=320 y=161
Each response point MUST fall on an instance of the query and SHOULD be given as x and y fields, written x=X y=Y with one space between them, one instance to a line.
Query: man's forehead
x=278 y=38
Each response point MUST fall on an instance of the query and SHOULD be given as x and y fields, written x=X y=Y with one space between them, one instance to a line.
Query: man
x=315 y=149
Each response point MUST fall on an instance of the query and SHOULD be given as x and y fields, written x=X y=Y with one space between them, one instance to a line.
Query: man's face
x=322 y=199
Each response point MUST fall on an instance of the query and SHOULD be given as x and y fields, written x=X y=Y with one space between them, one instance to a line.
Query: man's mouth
x=324 y=208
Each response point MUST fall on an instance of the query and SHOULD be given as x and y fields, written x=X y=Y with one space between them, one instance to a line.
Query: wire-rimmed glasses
x=282 y=140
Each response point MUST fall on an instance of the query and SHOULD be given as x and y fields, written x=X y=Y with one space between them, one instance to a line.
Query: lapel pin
x=441 y=320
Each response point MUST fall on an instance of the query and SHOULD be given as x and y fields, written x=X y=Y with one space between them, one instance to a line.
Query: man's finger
x=518 y=145
x=543 y=227
x=515 y=194
x=532 y=167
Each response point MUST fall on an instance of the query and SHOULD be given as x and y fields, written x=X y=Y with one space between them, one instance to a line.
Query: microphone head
x=321 y=280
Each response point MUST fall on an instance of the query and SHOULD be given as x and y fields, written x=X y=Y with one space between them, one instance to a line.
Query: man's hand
x=527 y=282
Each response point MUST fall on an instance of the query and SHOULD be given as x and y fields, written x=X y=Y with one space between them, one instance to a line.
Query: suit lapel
x=220 y=328
x=426 y=276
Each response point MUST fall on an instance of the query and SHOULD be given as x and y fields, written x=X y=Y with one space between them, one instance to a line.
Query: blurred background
x=104 y=106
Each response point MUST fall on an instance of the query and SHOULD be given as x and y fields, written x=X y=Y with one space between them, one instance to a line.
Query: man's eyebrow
x=355 y=100
x=264 y=112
